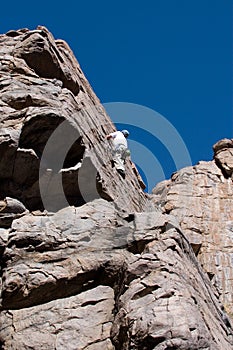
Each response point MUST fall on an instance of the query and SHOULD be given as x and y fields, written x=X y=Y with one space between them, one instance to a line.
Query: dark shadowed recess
x=20 y=179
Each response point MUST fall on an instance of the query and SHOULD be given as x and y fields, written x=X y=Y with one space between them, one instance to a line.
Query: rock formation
x=42 y=87
x=88 y=259
x=201 y=199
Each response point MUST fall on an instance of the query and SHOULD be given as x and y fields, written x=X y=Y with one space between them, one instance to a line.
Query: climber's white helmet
x=125 y=133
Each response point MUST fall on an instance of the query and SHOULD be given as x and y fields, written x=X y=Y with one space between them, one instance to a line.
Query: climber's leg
x=119 y=160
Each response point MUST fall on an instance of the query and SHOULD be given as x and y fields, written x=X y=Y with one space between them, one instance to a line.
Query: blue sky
x=172 y=56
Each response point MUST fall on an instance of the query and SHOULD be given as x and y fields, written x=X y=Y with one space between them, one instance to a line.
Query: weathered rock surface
x=135 y=280
x=77 y=322
x=10 y=209
x=110 y=267
x=201 y=198
x=42 y=87
x=223 y=155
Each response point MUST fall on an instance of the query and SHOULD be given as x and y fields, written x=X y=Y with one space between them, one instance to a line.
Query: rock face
x=92 y=277
x=88 y=260
x=43 y=90
x=201 y=198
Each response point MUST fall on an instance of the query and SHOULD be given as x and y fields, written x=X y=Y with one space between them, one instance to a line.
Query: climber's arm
x=111 y=136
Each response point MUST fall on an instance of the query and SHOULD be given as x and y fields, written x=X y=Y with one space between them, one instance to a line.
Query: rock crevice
x=88 y=259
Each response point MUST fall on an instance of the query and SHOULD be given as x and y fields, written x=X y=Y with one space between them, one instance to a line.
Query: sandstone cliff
x=88 y=260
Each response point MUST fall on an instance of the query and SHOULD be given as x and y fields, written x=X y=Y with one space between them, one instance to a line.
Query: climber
x=120 y=149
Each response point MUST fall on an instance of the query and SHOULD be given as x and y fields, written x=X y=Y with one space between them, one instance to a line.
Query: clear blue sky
x=173 y=56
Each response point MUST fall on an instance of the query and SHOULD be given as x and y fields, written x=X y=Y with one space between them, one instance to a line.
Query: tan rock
x=42 y=85
x=200 y=197
x=78 y=322
x=223 y=155
x=109 y=267
x=65 y=274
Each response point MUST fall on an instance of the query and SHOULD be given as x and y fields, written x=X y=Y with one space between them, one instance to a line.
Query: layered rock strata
x=53 y=124
x=88 y=260
x=201 y=198
x=91 y=277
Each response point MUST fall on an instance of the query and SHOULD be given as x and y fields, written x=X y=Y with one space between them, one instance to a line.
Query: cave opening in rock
x=50 y=165
x=41 y=154
x=37 y=130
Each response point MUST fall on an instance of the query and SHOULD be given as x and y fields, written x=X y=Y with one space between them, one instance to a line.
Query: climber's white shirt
x=118 y=139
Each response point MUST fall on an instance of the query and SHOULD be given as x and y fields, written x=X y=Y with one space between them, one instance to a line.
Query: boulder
x=88 y=259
